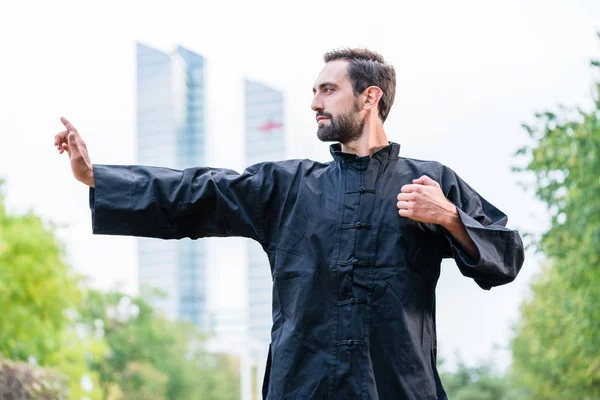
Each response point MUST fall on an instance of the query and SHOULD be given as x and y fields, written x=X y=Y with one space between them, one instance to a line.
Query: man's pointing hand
x=70 y=141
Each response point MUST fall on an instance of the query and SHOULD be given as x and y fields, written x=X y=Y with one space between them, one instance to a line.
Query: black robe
x=353 y=282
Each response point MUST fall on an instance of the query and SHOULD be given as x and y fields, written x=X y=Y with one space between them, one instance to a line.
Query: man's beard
x=345 y=128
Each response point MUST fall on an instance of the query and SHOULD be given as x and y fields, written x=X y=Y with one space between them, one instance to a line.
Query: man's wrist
x=451 y=220
x=90 y=178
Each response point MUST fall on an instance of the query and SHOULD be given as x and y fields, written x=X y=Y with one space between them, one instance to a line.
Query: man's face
x=337 y=109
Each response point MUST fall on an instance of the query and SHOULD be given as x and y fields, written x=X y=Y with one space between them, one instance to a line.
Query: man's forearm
x=457 y=230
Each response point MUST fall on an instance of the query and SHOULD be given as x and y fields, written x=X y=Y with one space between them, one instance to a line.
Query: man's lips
x=321 y=118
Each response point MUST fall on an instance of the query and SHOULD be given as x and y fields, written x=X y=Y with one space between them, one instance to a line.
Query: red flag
x=271 y=125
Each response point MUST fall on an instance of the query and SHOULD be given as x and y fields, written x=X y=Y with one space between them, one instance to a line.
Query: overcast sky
x=469 y=73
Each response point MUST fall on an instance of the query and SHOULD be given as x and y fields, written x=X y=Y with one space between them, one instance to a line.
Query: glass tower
x=171 y=133
x=264 y=142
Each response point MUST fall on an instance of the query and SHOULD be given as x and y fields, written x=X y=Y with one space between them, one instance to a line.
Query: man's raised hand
x=70 y=141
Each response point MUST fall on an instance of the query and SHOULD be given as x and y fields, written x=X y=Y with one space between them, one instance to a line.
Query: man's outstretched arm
x=166 y=203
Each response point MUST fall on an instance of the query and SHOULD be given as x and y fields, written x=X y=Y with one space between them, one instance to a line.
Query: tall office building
x=171 y=133
x=264 y=142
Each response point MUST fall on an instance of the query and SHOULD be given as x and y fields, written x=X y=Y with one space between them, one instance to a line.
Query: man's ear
x=372 y=94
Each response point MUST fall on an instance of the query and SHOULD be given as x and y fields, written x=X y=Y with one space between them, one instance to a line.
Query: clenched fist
x=70 y=141
x=425 y=202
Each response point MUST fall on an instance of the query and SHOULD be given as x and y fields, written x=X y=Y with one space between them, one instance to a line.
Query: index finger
x=68 y=125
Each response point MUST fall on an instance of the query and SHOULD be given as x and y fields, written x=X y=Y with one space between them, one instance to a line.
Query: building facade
x=264 y=128
x=171 y=133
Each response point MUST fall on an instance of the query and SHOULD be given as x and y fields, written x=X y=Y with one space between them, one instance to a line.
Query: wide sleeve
x=500 y=249
x=172 y=204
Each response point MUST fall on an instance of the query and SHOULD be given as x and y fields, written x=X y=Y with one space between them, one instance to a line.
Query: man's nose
x=317 y=104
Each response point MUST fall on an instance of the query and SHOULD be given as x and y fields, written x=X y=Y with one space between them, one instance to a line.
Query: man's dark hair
x=367 y=68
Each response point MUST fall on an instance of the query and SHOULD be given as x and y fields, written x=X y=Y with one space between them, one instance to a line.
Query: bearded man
x=354 y=244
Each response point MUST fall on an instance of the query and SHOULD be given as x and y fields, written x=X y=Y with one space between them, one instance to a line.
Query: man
x=355 y=245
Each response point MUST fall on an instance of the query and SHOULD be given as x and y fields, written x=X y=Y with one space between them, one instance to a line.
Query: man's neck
x=372 y=139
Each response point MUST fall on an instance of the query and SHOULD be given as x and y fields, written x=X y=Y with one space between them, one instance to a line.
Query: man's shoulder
x=423 y=167
x=437 y=171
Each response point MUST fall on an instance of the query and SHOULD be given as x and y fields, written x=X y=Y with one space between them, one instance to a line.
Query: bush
x=24 y=382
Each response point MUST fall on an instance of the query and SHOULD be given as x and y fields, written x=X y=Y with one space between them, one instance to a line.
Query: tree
x=142 y=381
x=480 y=382
x=36 y=287
x=145 y=347
x=73 y=359
x=556 y=349
x=38 y=292
x=106 y=345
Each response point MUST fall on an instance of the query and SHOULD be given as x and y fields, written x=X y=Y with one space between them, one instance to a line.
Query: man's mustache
x=324 y=114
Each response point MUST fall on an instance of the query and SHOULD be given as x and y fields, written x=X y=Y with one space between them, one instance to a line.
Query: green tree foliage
x=77 y=352
x=38 y=291
x=106 y=345
x=144 y=347
x=142 y=381
x=480 y=382
x=556 y=349
x=36 y=287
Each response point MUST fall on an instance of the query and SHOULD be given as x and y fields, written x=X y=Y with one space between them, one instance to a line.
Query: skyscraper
x=171 y=133
x=264 y=142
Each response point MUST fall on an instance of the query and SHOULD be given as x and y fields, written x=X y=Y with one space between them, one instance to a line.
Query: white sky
x=469 y=73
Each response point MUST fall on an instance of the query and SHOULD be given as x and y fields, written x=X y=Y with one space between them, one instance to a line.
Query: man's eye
x=327 y=90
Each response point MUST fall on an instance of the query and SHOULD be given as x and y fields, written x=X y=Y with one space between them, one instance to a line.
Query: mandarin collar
x=391 y=151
